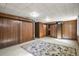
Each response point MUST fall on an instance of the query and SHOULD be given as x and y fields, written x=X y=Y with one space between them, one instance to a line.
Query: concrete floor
x=16 y=50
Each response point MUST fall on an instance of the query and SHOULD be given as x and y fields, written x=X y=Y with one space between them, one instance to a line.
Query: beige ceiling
x=55 y=11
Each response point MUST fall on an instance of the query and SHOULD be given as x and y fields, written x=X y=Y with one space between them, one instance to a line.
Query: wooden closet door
x=9 y=32
x=26 y=31
x=1 y=32
x=42 y=30
x=53 y=30
x=59 y=30
x=69 y=29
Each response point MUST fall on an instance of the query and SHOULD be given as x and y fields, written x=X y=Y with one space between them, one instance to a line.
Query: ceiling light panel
x=34 y=14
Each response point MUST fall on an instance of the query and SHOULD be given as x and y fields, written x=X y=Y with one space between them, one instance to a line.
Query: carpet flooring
x=42 y=48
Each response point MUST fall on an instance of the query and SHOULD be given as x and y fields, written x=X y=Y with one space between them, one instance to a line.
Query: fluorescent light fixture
x=73 y=17
x=34 y=14
x=47 y=19
x=70 y=18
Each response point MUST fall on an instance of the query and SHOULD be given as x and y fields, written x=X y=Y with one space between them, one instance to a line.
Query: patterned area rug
x=42 y=48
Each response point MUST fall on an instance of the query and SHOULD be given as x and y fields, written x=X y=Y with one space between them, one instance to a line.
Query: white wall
x=78 y=27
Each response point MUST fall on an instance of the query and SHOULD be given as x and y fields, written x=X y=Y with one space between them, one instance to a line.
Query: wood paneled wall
x=8 y=32
x=69 y=29
x=26 y=31
x=53 y=30
x=14 y=31
x=64 y=30
x=37 y=29
x=40 y=29
x=59 y=30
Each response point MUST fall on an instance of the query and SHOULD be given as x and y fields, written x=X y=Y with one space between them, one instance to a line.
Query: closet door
x=69 y=29
x=42 y=30
x=1 y=32
x=59 y=30
x=53 y=30
x=9 y=34
x=26 y=31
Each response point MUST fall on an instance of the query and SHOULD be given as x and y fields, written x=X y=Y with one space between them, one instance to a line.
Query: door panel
x=42 y=30
x=59 y=30
x=8 y=32
x=53 y=30
x=69 y=29
x=26 y=31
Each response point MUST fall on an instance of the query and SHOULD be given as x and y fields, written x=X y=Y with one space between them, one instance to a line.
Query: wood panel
x=40 y=29
x=59 y=30
x=37 y=29
x=69 y=29
x=47 y=30
x=26 y=31
x=9 y=32
x=15 y=30
x=14 y=17
x=53 y=30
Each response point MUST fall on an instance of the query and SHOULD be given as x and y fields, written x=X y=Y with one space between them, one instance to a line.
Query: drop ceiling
x=56 y=11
